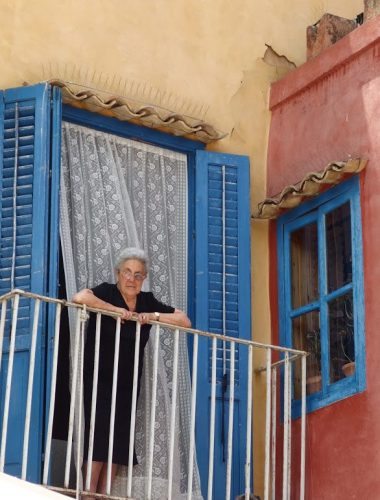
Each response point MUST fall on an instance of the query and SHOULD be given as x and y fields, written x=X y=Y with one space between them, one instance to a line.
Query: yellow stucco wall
x=206 y=55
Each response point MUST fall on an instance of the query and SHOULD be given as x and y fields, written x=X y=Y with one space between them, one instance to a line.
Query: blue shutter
x=217 y=174
x=25 y=120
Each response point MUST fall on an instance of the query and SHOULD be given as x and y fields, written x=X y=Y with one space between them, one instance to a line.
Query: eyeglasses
x=130 y=276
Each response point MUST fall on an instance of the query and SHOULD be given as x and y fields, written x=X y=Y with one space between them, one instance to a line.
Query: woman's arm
x=88 y=298
x=177 y=318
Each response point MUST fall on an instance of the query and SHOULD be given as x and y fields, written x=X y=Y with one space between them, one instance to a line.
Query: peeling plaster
x=272 y=58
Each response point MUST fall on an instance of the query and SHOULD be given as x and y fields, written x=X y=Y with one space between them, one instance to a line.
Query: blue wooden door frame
x=196 y=163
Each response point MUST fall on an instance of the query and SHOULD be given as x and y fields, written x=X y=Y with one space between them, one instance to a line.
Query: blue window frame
x=321 y=294
x=159 y=139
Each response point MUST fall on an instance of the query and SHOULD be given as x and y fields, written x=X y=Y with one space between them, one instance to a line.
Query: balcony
x=30 y=327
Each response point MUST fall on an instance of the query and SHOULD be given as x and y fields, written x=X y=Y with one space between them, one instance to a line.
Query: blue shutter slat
x=23 y=150
x=25 y=108
x=25 y=132
x=21 y=250
x=22 y=231
x=25 y=186
x=27 y=160
x=24 y=176
x=23 y=239
x=25 y=201
x=24 y=141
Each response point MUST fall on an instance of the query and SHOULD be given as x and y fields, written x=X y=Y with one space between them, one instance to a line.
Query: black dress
x=146 y=302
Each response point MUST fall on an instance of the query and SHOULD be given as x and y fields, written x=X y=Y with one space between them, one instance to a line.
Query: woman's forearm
x=178 y=318
x=88 y=298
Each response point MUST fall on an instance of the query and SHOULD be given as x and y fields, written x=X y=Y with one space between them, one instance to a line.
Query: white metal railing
x=8 y=328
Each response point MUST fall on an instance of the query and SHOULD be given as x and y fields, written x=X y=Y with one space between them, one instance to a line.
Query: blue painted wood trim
x=126 y=129
x=55 y=166
x=191 y=172
x=302 y=215
x=358 y=291
x=323 y=311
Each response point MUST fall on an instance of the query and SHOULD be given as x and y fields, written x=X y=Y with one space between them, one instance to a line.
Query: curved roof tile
x=311 y=185
x=128 y=110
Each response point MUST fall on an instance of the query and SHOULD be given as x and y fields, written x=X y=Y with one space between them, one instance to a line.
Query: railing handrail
x=261 y=345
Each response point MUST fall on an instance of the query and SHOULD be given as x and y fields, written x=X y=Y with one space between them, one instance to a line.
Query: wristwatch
x=156 y=316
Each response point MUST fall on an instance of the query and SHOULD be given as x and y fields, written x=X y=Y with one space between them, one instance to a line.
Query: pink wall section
x=327 y=110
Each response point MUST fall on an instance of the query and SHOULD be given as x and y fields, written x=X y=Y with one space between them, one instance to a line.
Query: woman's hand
x=145 y=317
x=87 y=296
x=125 y=314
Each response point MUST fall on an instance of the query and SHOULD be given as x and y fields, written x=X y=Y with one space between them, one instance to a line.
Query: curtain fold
x=116 y=193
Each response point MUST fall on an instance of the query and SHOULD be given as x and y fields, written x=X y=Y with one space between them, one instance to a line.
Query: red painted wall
x=328 y=110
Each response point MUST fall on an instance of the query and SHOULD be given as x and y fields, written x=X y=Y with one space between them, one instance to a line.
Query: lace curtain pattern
x=115 y=193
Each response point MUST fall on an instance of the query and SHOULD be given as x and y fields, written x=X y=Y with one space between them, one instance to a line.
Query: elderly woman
x=127 y=299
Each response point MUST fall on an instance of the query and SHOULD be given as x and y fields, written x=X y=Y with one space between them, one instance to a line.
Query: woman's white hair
x=132 y=253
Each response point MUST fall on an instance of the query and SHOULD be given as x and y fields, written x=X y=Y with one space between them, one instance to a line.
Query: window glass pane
x=304 y=262
x=306 y=337
x=342 y=344
x=338 y=247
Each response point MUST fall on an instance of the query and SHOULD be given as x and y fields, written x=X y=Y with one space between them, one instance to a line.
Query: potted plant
x=346 y=337
x=348 y=351
x=313 y=347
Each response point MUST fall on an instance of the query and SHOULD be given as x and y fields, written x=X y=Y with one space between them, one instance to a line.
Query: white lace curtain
x=116 y=193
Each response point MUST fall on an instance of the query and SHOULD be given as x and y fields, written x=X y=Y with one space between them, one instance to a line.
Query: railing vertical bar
x=290 y=428
x=267 y=423
x=80 y=405
x=230 y=420
x=192 y=418
x=4 y=429
x=93 y=402
x=249 y=426
x=286 y=429
x=52 y=393
x=173 y=413
x=133 y=409
x=113 y=405
x=303 y=428
x=2 y=326
x=274 y=433
x=212 y=421
x=73 y=398
x=32 y=362
x=153 y=410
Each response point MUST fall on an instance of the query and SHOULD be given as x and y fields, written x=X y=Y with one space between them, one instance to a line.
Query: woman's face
x=130 y=277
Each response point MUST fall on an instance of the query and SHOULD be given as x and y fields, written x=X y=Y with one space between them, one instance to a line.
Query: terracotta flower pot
x=349 y=369
x=313 y=384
